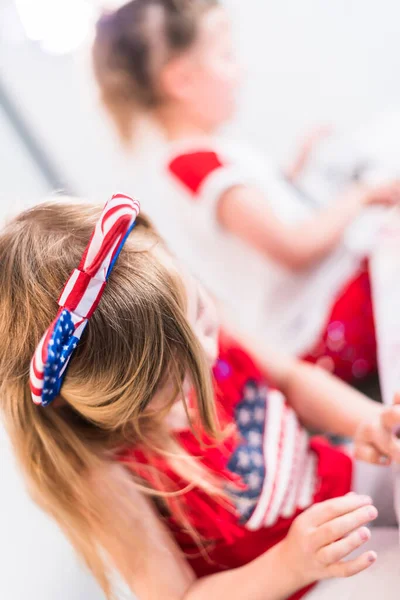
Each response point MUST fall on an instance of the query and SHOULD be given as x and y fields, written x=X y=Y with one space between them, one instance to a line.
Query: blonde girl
x=161 y=446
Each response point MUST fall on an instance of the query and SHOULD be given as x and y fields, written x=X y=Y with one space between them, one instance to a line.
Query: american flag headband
x=80 y=297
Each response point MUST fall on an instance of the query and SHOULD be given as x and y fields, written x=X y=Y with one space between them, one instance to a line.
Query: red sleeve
x=241 y=358
x=193 y=168
x=233 y=370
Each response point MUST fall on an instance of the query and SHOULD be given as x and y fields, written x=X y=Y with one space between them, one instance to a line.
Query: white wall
x=19 y=178
x=314 y=61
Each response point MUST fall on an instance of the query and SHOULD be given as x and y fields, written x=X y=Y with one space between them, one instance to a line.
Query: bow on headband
x=80 y=297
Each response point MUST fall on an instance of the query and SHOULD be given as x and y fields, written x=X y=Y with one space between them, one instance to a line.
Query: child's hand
x=386 y=195
x=307 y=146
x=324 y=535
x=315 y=136
x=376 y=441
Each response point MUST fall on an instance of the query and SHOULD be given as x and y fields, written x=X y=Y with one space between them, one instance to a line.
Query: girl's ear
x=176 y=79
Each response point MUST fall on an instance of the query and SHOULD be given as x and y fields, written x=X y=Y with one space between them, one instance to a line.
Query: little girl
x=280 y=268
x=159 y=445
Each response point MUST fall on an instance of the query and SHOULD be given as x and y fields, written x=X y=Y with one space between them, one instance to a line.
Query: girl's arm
x=324 y=403
x=244 y=212
x=153 y=566
x=321 y=401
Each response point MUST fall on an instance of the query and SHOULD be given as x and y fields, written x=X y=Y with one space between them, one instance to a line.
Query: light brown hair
x=137 y=339
x=132 y=44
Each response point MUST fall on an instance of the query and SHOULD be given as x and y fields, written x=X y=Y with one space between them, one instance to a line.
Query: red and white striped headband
x=80 y=297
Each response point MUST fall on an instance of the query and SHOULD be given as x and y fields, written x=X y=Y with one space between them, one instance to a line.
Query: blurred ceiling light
x=59 y=26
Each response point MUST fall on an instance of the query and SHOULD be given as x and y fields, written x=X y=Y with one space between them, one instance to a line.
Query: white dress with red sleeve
x=289 y=309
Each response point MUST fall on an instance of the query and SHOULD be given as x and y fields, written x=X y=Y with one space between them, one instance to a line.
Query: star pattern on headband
x=61 y=345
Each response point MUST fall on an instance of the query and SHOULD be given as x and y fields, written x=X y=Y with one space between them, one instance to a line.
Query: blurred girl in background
x=161 y=446
x=283 y=270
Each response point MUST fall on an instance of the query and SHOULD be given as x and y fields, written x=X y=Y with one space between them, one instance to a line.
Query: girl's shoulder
x=193 y=163
x=236 y=376
x=231 y=351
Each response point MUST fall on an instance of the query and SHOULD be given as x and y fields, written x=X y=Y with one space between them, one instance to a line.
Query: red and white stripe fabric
x=84 y=288
x=290 y=466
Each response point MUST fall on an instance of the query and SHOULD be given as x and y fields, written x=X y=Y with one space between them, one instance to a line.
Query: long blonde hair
x=137 y=339
x=132 y=45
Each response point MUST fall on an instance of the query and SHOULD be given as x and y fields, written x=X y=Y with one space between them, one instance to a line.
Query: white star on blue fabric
x=62 y=343
x=248 y=461
x=244 y=416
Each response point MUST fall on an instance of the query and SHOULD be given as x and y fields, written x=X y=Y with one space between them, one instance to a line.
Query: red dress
x=277 y=469
x=347 y=346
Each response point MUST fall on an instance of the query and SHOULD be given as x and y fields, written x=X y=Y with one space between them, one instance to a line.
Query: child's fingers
x=391 y=417
x=334 y=553
x=319 y=133
x=369 y=454
x=390 y=420
x=337 y=528
x=387 y=194
x=394 y=447
x=352 y=567
x=324 y=512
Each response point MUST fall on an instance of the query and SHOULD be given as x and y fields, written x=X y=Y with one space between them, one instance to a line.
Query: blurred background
x=308 y=62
